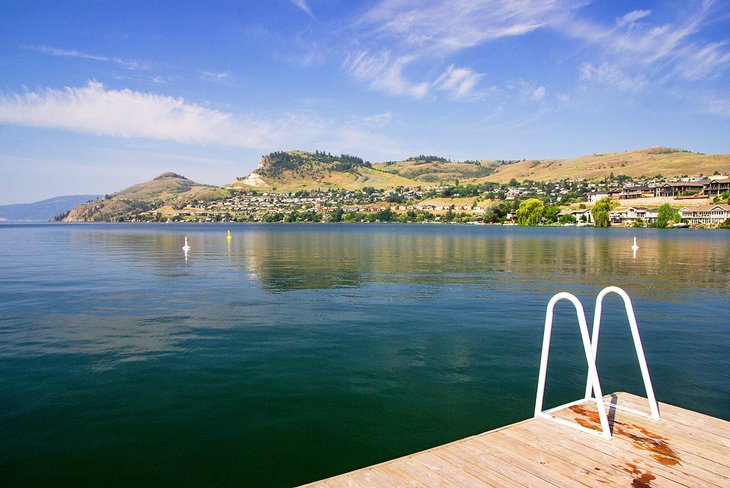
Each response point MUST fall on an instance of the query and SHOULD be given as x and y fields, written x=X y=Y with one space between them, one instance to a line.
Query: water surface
x=295 y=352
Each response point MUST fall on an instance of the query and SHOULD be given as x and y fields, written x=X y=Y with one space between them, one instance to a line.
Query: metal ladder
x=590 y=347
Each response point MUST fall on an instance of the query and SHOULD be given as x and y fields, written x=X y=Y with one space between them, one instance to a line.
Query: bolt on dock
x=684 y=448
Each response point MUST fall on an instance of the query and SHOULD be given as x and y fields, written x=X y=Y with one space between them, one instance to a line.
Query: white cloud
x=613 y=75
x=460 y=82
x=378 y=120
x=418 y=32
x=72 y=53
x=704 y=62
x=384 y=72
x=451 y=25
x=216 y=75
x=716 y=105
x=94 y=109
x=303 y=6
x=638 y=49
x=529 y=92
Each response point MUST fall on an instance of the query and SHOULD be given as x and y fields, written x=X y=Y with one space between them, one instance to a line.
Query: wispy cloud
x=419 y=32
x=94 y=109
x=216 y=75
x=531 y=93
x=612 y=75
x=97 y=110
x=384 y=72
x=303 y=6
x=459 y=82
x=638 y=49
x=445 y=26
x=72 y=53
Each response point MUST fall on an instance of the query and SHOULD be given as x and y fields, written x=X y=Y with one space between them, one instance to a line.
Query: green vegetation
x=275 y=163
x=666 y=216
x=600 y=212
x=530 y=212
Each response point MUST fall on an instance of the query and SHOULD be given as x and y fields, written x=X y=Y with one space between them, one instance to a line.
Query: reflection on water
x=344 y=344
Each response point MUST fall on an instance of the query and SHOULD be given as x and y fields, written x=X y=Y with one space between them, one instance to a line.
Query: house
x=679 y=188
x=717 y=187
x=706 y=214
x=593 y=197
x=634 y=214
x=580 y=215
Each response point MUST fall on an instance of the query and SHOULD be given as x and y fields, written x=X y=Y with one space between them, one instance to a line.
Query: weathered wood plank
x=665 y=441
x=712 y=429
x=615 y=459
x=684 y=449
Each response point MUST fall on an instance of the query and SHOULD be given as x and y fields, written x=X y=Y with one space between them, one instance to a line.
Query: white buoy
x=635 y=246
x=186 y=247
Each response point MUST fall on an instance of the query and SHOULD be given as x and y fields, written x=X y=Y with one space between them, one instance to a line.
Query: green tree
x=600 y=212
x=666 y=216
x=567 y=218
x=530 y=211
x=336 y=215
x=551 y=214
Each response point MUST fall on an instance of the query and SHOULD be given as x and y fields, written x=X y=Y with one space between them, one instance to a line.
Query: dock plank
x=683 y=449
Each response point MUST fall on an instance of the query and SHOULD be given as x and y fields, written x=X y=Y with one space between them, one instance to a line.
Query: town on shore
x=297 y=186
x=620 y=201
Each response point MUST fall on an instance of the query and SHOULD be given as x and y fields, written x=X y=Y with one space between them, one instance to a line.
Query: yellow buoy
x=229 y=235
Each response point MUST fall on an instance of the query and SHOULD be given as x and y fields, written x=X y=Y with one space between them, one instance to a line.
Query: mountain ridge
x=166 y=189
x=42 y=210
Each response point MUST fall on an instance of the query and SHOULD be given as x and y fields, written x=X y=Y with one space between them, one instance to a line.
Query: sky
x=96 y=96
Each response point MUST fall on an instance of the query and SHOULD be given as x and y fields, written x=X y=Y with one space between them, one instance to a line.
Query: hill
x=645 y=162
x=167 y=189
x=435 y=169
x=43 y=210
x=293 y=170
x=296 y=170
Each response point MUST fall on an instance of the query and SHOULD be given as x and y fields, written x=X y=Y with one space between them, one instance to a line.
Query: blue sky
x=95 y=96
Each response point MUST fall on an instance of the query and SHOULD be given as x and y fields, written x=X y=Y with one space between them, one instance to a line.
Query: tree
x=567 y=218
x=600 y=212
x=666 y=216
x=530 y=211
x=551 y=214
x=336 y=215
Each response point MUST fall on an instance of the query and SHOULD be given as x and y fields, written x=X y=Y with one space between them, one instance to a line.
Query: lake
x=296 y=352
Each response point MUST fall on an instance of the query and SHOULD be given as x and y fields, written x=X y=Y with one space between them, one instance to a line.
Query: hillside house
x=679 y=188
x=717 y=187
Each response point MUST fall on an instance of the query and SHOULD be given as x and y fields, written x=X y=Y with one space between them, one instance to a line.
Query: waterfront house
x=706 y=214
x=634 y=214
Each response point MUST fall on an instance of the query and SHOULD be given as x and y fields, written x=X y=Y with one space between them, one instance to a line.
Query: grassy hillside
x=434 y=169
x=293 y=170
x=167 y=189
x=644 y=162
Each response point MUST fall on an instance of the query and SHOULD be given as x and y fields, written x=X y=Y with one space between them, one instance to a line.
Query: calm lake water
x=297 y=352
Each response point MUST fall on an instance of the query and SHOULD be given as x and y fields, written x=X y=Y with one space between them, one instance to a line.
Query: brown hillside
x=645 y=162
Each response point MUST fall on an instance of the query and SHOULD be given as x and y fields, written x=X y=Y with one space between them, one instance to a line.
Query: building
x=634 y=214
x=706 y=214
x=679 y=188
x=717 y=187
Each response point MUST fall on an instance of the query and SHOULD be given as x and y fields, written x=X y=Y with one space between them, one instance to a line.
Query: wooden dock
x=684 y=448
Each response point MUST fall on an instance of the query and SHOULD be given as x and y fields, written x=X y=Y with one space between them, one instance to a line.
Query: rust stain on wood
x=641 y=437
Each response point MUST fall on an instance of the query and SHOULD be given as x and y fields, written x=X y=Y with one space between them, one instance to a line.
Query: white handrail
x=637 y=344
x=590 y=348
x=592 y=371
